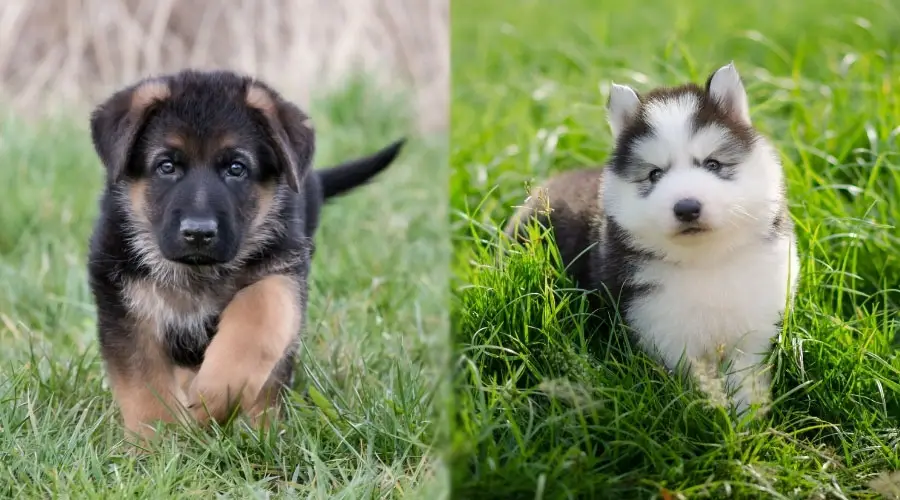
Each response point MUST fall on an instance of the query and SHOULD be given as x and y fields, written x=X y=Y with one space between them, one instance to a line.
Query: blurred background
x=74 y=52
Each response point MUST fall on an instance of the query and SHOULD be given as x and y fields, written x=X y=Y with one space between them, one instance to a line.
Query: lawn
x=363 y=420
x=548 y=404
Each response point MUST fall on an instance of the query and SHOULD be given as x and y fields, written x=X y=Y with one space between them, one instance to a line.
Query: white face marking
x=735 y=211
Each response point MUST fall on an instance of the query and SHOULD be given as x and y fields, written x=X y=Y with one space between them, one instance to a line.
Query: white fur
x=622 y=107
x=722 y=310
x=718 y=294
x=726 y=87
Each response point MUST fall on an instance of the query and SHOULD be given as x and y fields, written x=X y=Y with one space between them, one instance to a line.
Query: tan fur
x=227 y=141
x=175 y=141
x=260 y=231
x=137 y=195
x=266 y=408
x=183 y=378
x=265 y=196
x=147 y=391
x=255 y=330
x=263 y=100
x=259 y=98
x=148 y=93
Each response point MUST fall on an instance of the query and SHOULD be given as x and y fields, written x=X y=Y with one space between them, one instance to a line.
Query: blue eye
x=236 y=169
x=165 y=167
x=712 y=165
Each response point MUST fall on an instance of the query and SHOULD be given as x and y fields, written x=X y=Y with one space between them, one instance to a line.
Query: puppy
x=686 y=226
x=199 y=257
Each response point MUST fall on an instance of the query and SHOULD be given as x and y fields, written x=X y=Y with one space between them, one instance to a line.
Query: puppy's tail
x=341 y=178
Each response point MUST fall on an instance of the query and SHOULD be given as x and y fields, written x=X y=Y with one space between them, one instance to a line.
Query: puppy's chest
x=703 y=308
x=183 y=320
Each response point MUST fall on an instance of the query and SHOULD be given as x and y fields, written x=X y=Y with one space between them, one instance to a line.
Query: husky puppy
x=686 y=226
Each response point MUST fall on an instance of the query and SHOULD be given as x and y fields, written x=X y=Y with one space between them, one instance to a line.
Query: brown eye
x=236 y=169
x=165 y=167
x=712 y=165
x=655 y=175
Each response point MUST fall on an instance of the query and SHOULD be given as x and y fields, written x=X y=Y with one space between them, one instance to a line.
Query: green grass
x=362 y=423
x=548 y=407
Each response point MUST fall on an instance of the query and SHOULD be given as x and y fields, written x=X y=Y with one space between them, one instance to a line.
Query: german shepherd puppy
x=199 y=257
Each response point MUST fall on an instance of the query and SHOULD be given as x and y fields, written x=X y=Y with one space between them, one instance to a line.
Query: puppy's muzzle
x=199 y=232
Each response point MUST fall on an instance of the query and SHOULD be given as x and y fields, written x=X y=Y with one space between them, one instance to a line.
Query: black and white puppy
x=687 y=225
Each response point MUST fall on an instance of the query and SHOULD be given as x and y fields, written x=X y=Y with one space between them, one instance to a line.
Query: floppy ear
x=290 y=130
x=622 y=107
x=725 y=87
x=115 y=123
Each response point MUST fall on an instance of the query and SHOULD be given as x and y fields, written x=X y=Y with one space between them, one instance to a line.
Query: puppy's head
x=200 y=159
x=688 y=167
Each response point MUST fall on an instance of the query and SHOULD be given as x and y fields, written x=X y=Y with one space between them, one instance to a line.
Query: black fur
x=342 y=178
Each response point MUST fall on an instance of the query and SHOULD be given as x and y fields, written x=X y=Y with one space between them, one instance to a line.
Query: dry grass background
x=73 y=52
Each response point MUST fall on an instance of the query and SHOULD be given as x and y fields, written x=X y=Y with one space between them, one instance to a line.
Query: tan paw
x=215 y=396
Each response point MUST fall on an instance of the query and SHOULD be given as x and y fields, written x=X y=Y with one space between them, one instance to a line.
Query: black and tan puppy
x=201 y=251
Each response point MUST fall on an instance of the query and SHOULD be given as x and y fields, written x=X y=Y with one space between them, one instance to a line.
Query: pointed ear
x=290 y=129
x=622 y=107
x=116 y=122
x=726 y=88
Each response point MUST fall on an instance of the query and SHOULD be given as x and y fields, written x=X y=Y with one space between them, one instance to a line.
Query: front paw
x=753 y=392
x=217 y=397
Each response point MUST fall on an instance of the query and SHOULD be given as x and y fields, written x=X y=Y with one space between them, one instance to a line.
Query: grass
x=546 y=405
x=362 y=423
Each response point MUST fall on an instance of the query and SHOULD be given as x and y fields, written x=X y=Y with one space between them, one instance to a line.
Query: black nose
x=199 y=231
x=687 y=210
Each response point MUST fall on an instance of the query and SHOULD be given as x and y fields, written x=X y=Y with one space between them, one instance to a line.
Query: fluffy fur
x=686 y=226
x=200 y=254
